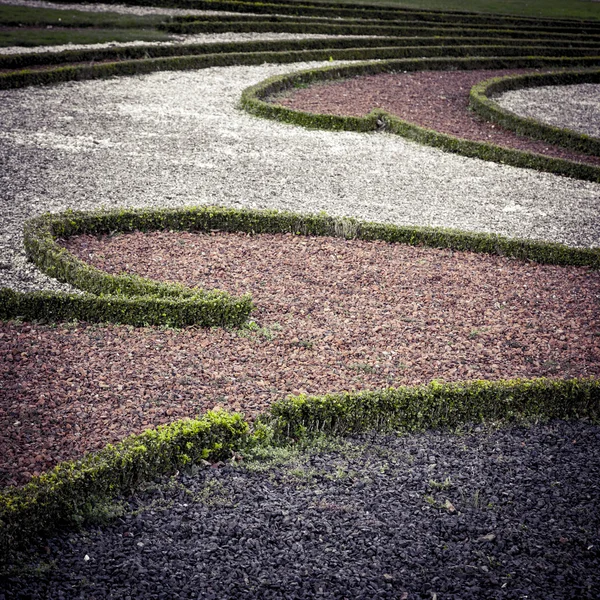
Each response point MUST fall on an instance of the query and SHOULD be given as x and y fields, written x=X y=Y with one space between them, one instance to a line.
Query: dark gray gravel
x=512 y=513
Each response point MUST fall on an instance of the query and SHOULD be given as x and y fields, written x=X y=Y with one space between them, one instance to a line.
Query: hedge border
x=131 y=61
x=64 y=495
x=20 y=61
x=185 y=24
x=18 y=79
x=68 y=493
x=253 y=101
x=481 y=102
x=136 y=301
x=433 y=406
x=124 y=299
x=243 y=26
x=309 y=8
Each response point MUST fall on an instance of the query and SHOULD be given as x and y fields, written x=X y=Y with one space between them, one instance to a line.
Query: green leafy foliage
x=437 y=405
x=130 y=299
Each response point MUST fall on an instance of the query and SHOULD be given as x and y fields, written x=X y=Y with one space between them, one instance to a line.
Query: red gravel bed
x=334 y=315
x=436 y=100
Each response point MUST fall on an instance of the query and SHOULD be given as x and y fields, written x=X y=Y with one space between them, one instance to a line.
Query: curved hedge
x=481 y=102
x=72 y=490
x=253 y=101
x=136 y=301
x=354 y=46
x=69 y=492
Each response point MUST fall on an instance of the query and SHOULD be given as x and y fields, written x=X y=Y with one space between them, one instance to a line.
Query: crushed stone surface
x=574 y=107
x=502 y=515
x=176 y=139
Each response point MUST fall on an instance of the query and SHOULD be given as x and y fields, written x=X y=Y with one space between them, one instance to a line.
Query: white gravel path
x=178 y=138
x=122 y=9
x=575 y=107
x=199 y=38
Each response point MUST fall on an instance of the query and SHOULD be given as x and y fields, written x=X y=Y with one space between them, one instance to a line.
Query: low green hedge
x=112 y=298
x=69 y=493
x=211 y=309
x=136 y=301
x=480 y=101
x=366 y=28
x=433 y=406
x=317 y=9
x=118 y=53
x=65 y=495
x=254 y=101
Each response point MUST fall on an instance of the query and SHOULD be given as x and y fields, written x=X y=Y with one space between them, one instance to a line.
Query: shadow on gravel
x=510 y=513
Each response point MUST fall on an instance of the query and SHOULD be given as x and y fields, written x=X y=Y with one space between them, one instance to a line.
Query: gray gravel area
x=575 y=107
x=199 y=38
x=507 y=514
x=122 y=9
x=174 y=139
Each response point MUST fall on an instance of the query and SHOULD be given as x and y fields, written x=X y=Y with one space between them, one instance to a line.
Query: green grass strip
x=23 y=16
x=254 y=101
x=481 y=102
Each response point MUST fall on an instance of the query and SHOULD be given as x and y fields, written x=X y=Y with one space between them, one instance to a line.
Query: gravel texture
x=116 y=8
x=331 y=315
x=199 y=38
x=507 y=514
x=574 y=107
x=173 y=139
x=437 y=100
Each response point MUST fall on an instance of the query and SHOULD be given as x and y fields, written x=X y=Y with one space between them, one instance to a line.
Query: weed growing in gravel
x=362 y=367
x=102 y=512
x=253 y=330
x=214 y=494
x=443 y=485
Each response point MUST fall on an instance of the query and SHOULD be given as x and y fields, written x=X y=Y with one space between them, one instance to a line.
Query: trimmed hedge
x=253 y=101
x=20 y=61
x=65 y=495
x=357 y=28
x=212 y=309
x=19 y=79
x=434 y=406
x=481 y=102
x=114 y=298
x=136 y=301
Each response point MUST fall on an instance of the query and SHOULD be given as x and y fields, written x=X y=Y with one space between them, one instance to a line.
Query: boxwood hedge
x=137 y=301
x=255 y=100
x=69 y=493
x=481 y=102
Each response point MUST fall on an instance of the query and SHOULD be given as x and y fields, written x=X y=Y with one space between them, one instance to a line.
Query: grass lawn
x=22 y=26
x=53 y=37
x=557 y=9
